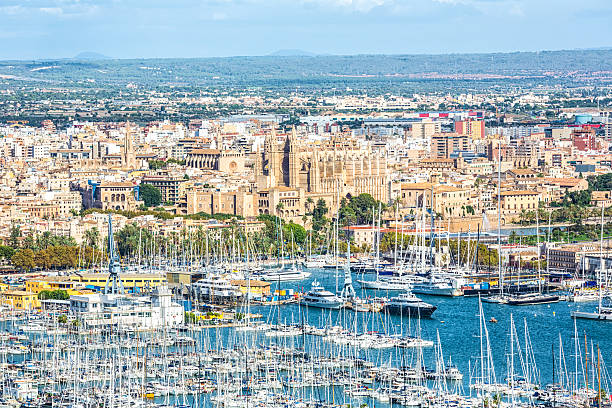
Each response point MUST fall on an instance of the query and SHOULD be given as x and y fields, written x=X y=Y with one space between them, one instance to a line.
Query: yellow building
x=255 y=288
x=20 y=299
x=130 y=280
x=37 y=285
x=517 y=201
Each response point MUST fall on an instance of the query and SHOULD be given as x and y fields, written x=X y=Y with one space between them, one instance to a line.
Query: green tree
x=92 y=237
x=14 y=236
x=318 y=215
x=358 y=210
x=53 y=294
x=150 y=195
x=24 y=259
x=299 y=233
x=157 y=164
x=129 y=237
x=6 y=251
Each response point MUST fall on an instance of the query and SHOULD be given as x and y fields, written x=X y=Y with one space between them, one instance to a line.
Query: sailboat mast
x=538 y=245
x=499 y=262
x=601 y=260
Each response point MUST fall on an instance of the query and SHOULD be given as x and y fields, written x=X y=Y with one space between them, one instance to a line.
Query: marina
x=304 y=356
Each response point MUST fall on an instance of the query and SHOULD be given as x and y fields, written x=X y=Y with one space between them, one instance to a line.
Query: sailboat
x=602 y=312
x=538 y=298
x=500 y=298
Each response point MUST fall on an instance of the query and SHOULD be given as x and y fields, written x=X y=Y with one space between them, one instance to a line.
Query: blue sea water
x=457 y=322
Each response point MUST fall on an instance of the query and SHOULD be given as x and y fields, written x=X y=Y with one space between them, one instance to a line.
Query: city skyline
x=48 y=29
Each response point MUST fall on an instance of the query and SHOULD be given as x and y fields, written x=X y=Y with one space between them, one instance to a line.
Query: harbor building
x=20 y=299
x=254 y=288
x=143 y=312
x=132 y=282
x=52 y=283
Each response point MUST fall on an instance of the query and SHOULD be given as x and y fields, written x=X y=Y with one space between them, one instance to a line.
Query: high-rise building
x=474 y=129
x=444 y=144
x=424 y=130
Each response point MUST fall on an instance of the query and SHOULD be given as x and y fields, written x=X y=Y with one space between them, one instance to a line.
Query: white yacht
x=439 y=286
x=216 y=288
x=319 y=297
x=284 y=275
x=315 y=261
x=602 y=313
x=391 y=283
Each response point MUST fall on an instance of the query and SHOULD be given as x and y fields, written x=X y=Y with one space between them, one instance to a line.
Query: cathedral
x=332 y=169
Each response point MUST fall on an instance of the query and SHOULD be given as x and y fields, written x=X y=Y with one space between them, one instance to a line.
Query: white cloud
x=218 y=16
x=362 y=6
x=11 y=10
x=52 y=10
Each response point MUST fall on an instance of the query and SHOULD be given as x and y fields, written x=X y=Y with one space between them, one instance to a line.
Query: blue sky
x=204 y=28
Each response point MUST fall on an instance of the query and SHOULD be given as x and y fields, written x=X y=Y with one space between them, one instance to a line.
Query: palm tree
x=279 y=207
x=309 y=202
x=92 y=237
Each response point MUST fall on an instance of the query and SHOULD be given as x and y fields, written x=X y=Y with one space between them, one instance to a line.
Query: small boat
x=319 y=297
x=492 y=320
x=409 y=305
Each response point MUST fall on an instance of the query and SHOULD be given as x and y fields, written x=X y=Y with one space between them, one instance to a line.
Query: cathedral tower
x=129 y=158
x=294 y=161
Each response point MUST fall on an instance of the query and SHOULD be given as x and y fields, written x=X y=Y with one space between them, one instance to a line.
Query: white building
x=143 y=312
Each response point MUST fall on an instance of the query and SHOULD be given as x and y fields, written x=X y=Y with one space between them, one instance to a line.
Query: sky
x=44 y=29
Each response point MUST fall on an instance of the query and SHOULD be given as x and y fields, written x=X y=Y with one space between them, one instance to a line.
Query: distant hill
x=375 y=73
x=292 y=53
x=88 y=55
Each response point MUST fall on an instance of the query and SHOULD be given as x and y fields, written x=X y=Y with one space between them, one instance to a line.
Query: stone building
x=240 y=203
x=116 y=196
x=289 y=170
x=170 y=186
x=228 y=161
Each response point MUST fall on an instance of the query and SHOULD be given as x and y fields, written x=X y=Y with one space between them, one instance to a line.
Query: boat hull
x=410 y=311
x=592 y=316
x=536 y=300
x=451 y=292
x=326 y=305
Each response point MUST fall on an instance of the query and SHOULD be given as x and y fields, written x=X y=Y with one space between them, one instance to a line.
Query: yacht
x=284 y=275
x=315 y=262
x=602 y=313
x=391 y=283
x=216 y=288
x=579 y=296
x=439 y=286
x=409 y=305
x=319 y=297
x=532 y=299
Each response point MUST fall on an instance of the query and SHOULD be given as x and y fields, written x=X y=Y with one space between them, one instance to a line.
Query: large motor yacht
x=319 y=297
x=409 y=305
